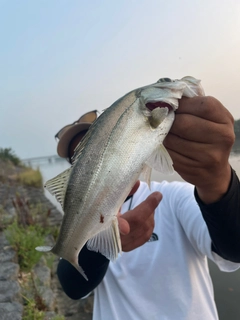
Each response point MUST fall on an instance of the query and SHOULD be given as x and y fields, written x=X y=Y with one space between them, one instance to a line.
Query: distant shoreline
x=236 y=146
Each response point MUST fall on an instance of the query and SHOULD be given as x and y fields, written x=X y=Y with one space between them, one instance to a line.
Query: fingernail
x=158 y=196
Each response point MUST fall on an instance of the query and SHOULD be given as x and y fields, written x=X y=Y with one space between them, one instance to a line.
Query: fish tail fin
x=79 y=269
x=44 y=248
x=107 y=242
x=74 y=263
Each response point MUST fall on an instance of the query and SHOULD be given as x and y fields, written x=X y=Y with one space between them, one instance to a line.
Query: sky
x=59 y=59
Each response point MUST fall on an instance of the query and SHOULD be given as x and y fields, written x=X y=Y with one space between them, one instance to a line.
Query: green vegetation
x=24 y=240
x=8 y=154
x=13 y=169
x=27 y=227
x=32 y=310
x=31 y=178
x=28 y=231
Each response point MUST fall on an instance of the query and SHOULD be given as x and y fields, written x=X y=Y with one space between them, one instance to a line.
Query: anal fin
x=107 y=242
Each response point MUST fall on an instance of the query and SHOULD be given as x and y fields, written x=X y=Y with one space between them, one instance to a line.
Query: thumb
x=148 y=206
x=123 y=225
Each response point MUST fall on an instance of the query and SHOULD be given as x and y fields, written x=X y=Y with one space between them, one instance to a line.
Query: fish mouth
x=158 y=104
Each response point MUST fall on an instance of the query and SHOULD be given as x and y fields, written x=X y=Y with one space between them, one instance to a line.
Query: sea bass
x=124 y=142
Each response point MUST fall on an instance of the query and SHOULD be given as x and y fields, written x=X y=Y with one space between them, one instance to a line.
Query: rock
x=7 y=254
x=42 y=281
x=9 y=271
x=47 y=296
x=3 y=241
x=9 y=291
x=45 y=279
x=41 y=276
x=11 y=311
x=50 y=315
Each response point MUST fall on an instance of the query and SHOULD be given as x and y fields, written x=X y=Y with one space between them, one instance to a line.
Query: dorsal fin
x=57 y=186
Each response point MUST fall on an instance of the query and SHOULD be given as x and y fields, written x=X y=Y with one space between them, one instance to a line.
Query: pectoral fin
x=161 y=161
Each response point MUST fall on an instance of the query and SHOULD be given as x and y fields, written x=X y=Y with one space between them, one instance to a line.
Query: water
x=226 y=285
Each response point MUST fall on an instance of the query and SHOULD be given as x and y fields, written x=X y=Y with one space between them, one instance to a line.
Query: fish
x=124 y=142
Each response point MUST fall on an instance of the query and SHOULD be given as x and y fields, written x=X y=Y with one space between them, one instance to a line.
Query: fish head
x=160 y=111
x=161 y=99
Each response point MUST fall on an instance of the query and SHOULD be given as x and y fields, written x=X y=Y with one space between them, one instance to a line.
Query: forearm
x=223 y=221
x=74 y=285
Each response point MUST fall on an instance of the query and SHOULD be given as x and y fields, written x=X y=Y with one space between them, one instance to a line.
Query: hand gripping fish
x=124 y=142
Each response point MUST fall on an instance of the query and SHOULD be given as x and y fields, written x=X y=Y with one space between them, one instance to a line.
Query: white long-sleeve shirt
x=167 y=277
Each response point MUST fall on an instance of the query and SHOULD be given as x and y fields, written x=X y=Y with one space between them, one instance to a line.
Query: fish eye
x=165 y=80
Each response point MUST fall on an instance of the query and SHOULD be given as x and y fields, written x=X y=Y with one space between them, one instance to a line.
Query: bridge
x=42 y=160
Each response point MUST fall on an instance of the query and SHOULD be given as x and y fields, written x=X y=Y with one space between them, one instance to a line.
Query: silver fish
x=124 y=142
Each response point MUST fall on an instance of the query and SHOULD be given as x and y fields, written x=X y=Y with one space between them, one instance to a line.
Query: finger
x=151 y=203
x=206 y=107
x=190 y=150
x=192 y=128
x=123 y=225
x=189 y=156
x=144 y=231
x=182 y=164
x=139 y=236
x=145 y=208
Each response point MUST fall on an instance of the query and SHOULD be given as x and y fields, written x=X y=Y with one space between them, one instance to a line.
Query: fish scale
x=125 y=141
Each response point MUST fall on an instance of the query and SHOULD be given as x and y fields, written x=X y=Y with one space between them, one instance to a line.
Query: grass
x=28 y=230
x=24 y=240
x=31 y=310
x=11 y=167
x=7 y=154
x=31 y=178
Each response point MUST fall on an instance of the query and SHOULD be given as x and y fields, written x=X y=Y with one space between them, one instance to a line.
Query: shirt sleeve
x=223 y=221
x=74 y=285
